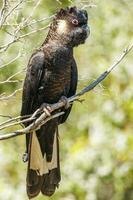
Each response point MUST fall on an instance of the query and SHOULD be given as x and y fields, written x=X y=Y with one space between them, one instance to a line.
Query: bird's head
x=70 y=25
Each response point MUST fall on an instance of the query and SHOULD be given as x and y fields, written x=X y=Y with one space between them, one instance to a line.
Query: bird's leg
x=65 y=101
x=46 y=108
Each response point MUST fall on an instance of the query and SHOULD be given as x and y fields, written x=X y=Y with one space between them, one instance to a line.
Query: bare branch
x=39 y=20
x=20 y=132
x=59 y=2
x=125 y=52
x=3 y=97
x=24 y=23
x=2 y=13
x=31 y=23
x=9 y=13
x=34 y=31
x=103 y=75
x=16 y=123
x=43 y=118
x=89 y=6
x=12 y=119
x=17 y=38
x=31 y=14
x=8 y=80
x=11 y=61
x=6 y=116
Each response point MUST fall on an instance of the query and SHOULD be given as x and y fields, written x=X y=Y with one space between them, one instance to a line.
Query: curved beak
x=86 y=28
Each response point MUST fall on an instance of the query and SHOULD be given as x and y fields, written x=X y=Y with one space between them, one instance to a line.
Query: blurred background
x=96 y=142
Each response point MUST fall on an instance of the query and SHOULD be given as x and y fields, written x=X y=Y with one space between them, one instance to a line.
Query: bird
x=51 y=76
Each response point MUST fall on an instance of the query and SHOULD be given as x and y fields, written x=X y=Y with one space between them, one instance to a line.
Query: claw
x=65 y=101
x=46 y=108
x=25 y=157
x=46 y=111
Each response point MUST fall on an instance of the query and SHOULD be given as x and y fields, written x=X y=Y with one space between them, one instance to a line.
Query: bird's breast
x=55 y=83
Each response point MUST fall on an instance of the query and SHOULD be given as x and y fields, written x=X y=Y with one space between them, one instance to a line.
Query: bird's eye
x=75 y=22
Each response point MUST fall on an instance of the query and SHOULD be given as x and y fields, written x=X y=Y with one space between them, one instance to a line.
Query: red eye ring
x=75 y=22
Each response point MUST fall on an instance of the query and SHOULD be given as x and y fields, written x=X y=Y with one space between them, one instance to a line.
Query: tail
x=43 y=172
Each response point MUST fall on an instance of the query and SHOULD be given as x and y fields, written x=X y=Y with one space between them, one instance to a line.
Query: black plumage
x=51 y=74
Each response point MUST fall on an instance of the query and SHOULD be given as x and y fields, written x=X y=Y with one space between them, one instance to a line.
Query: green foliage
x=96 y=143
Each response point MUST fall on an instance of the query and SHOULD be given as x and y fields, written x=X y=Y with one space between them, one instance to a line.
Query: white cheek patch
x=62 y=27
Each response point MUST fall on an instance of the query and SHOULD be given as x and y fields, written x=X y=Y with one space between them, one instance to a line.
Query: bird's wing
x=72 y=90
x=33 y=77
x=32 y=81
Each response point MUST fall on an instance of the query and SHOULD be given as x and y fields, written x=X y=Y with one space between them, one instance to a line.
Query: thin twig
x=32 y=12
x=39 y=20
x=59 y=2
x=2 y=12
x=6 y=116
x=12 y=119
x=4 y=97
x=43 y=118
x=10 y=12
x=11 y=61
x=89 y=6
x=20 y=132
x=8 y=80
x=125 y=52
x=103 y=75
x=18 y=122
x=34 y=31
x=31 y=23
x=17 y=38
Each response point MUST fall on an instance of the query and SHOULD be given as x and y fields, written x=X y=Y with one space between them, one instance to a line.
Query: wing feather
x=72 y=90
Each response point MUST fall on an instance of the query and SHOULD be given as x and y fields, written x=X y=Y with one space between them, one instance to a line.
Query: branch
x=34 y=31
x=9 y=79
x=24 y=24
x=44 y=117
x=11 y=61
x=17 y=38
x=2 y=12
x=104 y=74
x=21 y=132
x=11 y=119
x=3 y=97
x=32 y=12
x=10 y=12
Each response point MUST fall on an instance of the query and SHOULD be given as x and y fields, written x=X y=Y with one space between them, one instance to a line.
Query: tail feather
x=52 y=179
x=42 y=175
x=50 y=182
x=34 y=183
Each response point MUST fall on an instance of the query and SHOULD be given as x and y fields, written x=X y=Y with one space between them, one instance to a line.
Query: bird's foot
x=65 y=101
x=46 y=108
x=25 y=157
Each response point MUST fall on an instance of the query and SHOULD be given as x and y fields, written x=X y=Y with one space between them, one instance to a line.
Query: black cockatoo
x=51 y=74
